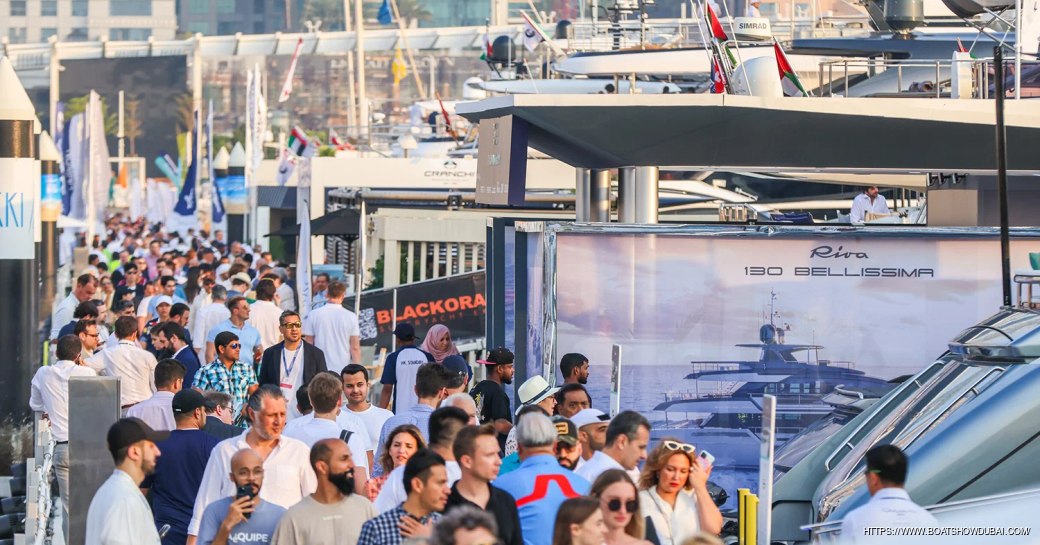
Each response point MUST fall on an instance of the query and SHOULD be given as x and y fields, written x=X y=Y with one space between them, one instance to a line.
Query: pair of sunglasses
x=631 y=506
x=674 y=445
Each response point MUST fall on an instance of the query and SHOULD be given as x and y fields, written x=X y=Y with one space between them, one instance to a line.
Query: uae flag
x=714 y=25
x=788 y=79
x=486 y=55
x=718 y=77
x=299 y=143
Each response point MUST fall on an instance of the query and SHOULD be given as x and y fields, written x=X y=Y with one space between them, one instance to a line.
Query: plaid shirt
x=383 y=530
x=234 y=382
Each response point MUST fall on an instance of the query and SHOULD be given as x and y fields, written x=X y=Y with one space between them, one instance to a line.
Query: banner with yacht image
x=710 y=319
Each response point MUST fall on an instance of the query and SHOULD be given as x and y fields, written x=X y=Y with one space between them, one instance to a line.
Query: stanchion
x=742 y=494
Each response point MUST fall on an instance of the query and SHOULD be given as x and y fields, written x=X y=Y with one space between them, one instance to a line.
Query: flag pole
x=408 y=50
x=736 y=44
x=361 y=257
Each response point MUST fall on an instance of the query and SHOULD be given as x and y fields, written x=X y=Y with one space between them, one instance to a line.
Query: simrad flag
x=287 y=86
x=713 y=23
x=532 y=36
x=788 y=78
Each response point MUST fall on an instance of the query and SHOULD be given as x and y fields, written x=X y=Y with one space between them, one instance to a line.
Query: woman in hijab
x=438 y=342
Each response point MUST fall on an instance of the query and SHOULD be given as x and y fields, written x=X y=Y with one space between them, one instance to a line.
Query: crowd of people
x=248 y=420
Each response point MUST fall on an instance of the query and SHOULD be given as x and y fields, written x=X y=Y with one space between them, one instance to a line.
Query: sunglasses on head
x=674 y=445
x=615 y=504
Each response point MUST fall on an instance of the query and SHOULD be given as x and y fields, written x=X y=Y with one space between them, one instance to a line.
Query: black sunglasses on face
x=632 y=506
x=236 y=346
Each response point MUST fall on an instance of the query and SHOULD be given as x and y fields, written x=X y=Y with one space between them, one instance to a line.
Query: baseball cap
x=241 y=278
x=404 y=331
x=187 y=400
x=589 y=416
x=566 y=431
x=498 y=356
x=534 y=390
x=127 y=431
x=163 y=299
x=457 y=364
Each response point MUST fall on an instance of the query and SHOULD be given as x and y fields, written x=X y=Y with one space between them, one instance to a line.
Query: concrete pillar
x=646 y=194
x=626 y=195
x=599 y=195
x=18 y=278
x=582 y=181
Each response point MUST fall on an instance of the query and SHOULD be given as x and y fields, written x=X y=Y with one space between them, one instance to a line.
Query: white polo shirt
x=599 y=463
x=889 y=507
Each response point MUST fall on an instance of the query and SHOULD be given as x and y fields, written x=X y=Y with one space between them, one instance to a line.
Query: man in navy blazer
x=177 y=337
x=293 y=362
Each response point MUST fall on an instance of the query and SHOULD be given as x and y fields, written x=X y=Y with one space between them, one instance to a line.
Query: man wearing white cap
x=592 y=432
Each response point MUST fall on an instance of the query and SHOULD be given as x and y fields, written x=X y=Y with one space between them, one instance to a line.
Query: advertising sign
x=502 y=161
x=456 y=301
x=18 y=216
x=713 y=320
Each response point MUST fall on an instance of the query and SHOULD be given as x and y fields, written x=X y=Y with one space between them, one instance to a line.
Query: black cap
x=458 y=364
x=404 y=331
x=127 y=431
x=187 y=400
x=498 y=356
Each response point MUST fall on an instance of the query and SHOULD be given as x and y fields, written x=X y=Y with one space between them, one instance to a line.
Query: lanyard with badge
x=288 y=367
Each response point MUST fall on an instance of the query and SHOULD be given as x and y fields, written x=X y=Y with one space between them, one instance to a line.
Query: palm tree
x=78 y=105
x=132 y=123
x=185 y=112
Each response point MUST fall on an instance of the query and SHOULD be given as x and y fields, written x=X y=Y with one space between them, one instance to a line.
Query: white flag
x=303 y=252
x=287 y=86
x=532 y=34
x=286 y=165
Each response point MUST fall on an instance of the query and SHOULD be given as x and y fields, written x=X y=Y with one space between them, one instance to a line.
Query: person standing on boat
x=890 y=505
x=867 y=202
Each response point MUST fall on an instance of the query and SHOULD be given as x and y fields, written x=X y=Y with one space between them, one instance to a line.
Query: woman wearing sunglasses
x=619 y=501
x=674 y=493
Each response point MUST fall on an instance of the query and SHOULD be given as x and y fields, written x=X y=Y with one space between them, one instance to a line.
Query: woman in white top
x=619 y=501
x=674 y=494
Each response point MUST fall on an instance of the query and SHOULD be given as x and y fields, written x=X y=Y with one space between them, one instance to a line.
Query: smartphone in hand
x=245 y=491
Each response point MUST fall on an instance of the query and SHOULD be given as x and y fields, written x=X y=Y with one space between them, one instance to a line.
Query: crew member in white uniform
x=868 y=201
x=890 y=506
x=752 y=9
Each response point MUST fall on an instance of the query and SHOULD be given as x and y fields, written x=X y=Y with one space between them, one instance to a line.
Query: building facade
x=32 y=21
x=225 y=17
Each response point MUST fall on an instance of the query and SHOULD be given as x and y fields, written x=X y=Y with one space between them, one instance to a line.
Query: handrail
x=877 y=411
x=955 y=399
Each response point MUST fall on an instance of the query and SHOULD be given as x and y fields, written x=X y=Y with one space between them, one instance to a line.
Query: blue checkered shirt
x=383 y=530
x=234 y=382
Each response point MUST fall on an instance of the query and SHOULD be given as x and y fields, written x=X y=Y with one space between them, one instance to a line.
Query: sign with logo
x=502 y=161
x=18 y=201
x=456 y=301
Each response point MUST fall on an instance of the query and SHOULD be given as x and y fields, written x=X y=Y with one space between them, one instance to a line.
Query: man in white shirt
x=868 y=201
x=889 y=506
x=334 y=330
x=286 y=296
x=627 y=438
x=355 y=386
x=445 y=424
x=201 y=300
x=134 y=365
x=50 y=395
x=400 y=368
x=592 y=432
x=288 y=476
x=119 y=513
x=263 y=314
x=157 y=411
x=326 y=394
x=86 y=287
x=209 y=316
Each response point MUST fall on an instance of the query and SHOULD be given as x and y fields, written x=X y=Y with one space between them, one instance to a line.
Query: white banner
x=303 y=250
x=18 y=196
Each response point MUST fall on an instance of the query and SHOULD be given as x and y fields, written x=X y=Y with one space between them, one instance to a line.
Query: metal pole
x=1005 y=239
x=393 y=317
x=55 y=85
x=351 y=96
x=359 y=34
x=1019 y=5
x=626 y=195
x=599 y=195
x=647 y=180
x=362 y=235
x=582 y=183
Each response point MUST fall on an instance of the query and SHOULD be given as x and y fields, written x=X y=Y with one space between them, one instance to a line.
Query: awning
x=343 y=222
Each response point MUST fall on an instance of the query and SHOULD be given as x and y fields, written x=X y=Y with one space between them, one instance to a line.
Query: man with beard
x=244 y=518
x=490 y=396
x=575 y=368
x=119 y=513
x=333 y=514
x=568 y=449
x=592 y=431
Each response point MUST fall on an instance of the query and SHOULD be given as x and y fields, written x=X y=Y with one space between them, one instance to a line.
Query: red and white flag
x=287 y=86
x=718 y=77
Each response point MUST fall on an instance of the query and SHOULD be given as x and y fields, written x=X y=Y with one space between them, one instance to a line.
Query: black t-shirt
x=501 y=505
x=492 y=404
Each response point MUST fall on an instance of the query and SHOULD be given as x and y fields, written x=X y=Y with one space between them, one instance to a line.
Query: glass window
x=16 y=35
x=198 y=6
x=48 y=8
x=201 y=27
x=226 y=29
x=17 y=9
x=79 y=8
x=46 y=33
x=129 y=7
x=133 y=34
x=225 y=6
